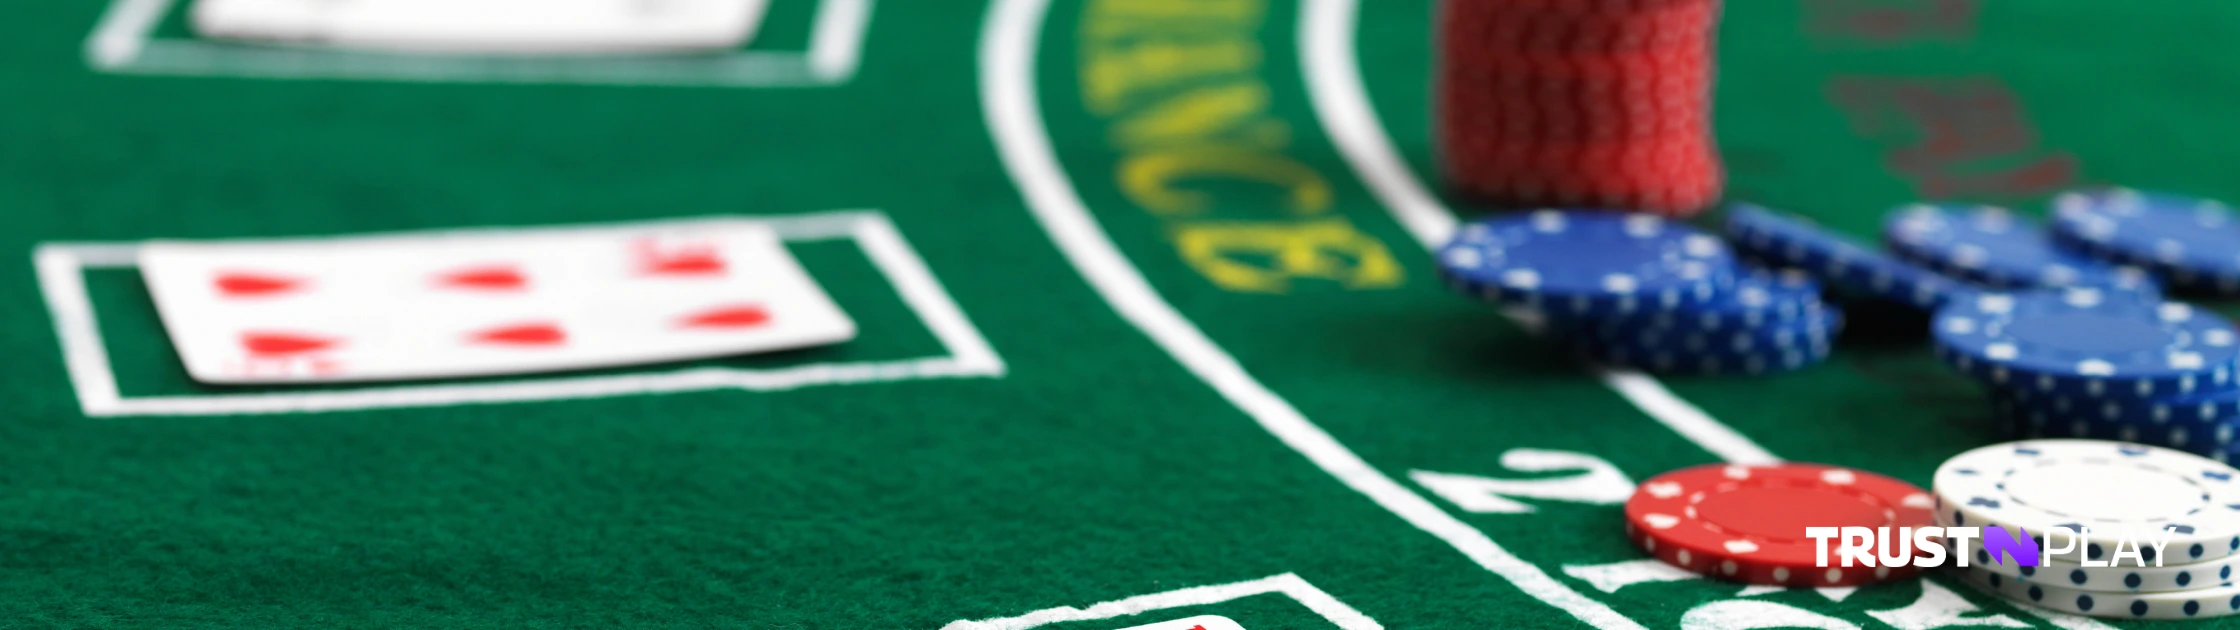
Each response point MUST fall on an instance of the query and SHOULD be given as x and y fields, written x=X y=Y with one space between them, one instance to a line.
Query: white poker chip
x=2116 y=489
x=2213 y=601
x=2131 y=577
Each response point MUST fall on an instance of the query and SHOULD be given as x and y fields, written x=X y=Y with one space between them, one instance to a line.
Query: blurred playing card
x=488 y=26
x=483 y=302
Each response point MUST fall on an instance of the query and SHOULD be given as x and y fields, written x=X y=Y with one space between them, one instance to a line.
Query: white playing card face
x=483 y=303
x=488 y=26
x=1204 y=622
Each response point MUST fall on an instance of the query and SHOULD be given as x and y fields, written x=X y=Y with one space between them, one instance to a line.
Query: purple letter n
x=2018 y=547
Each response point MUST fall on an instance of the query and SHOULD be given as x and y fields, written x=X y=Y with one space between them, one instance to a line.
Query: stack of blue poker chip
x=1638 y=291
x=1788 y=241
x=1995 y=247
x=2203 y=425
x=2191 y=242
x=1763 y=322
x=2088 y=342
x=1586 y=264
x=2093 y=363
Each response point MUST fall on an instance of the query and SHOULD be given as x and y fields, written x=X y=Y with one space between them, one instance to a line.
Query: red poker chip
x=1537 y=127
x=1675 y=160
x=1506 y=27
x=1747 y=523
x=1580 y=75
x=1671 y=67
x=1564 y=8
x=1611 y=93
x=1637 y=193
x=1553 y=125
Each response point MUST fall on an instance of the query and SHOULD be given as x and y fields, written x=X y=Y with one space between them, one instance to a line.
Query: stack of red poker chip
x=1579 y=103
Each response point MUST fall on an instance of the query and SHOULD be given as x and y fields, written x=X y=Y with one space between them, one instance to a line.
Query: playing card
x=488 y=26
x=483 y=302
x=1203 y=622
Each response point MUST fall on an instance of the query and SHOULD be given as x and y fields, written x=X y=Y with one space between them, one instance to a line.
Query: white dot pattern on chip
x=2169 y=251
x=1995 y=303
x=1960 y=325
x=1969 y=256
x=1643 y=226
x=1547 y=221
x=2187 y=360
x=2002 y=351
x=1700 y=246
x=1663 y=489
x=1620 y=283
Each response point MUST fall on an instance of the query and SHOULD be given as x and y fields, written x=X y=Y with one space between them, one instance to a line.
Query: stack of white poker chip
x=2118 y=491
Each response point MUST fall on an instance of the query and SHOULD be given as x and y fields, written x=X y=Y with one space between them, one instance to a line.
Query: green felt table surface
x=1219 y=375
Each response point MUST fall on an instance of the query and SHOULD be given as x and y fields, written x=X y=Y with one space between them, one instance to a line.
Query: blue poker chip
x=2193 y=241
x=1819 y=330
x=2212 y=437
x=1756 y=302
x=1586 y=263
x=1752 y=299
x=2209 y=406
x=1768 y=349
x=1836 y=260
x=2088 y=343
x=1691 y=345
x=1994 y=246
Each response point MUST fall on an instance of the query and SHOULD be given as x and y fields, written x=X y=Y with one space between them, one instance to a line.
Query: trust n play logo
x=1929 y=546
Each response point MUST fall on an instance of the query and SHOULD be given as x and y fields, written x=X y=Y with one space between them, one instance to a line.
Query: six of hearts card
x=484 y=302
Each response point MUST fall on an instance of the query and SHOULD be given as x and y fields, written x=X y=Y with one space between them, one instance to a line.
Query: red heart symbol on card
x=690 y=260
x=247 y=284
x=485 y=278
x=538 y=334
x=269 y=344
x=739 y=316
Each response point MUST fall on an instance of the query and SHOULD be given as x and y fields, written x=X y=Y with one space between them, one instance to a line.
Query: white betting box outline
x=61 y=268
x=122 y=42
x=1288 y=584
